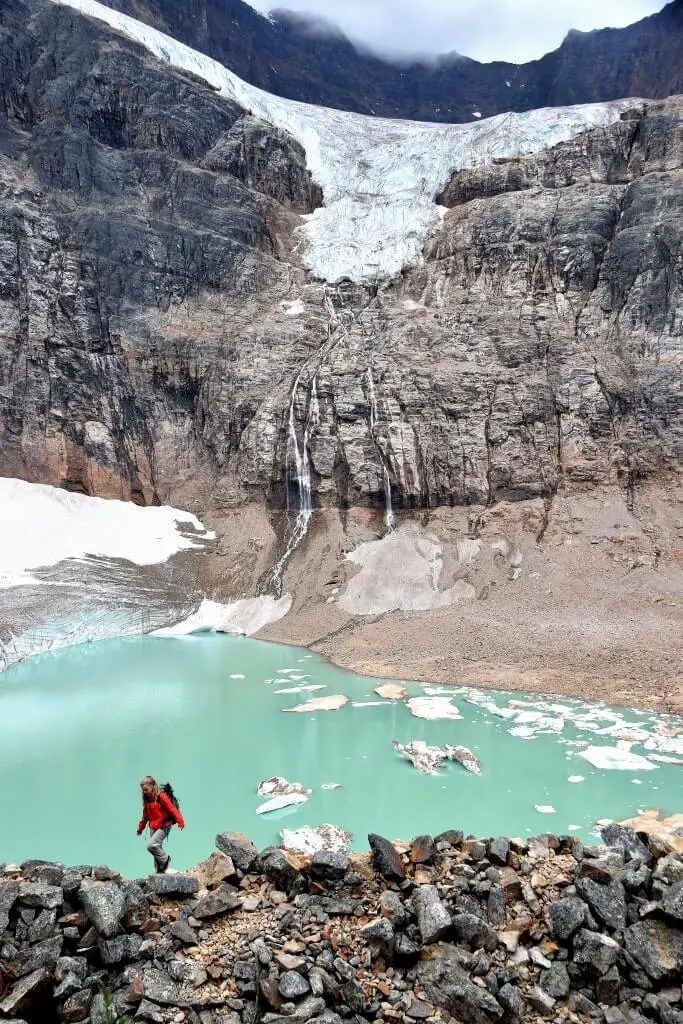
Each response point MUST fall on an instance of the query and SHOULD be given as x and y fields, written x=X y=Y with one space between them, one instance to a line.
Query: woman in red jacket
x=160 y=814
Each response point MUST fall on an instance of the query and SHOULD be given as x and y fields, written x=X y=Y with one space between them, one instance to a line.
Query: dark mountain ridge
x=282 y=55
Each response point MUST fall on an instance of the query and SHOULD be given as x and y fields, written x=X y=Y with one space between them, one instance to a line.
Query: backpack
x=167 y=790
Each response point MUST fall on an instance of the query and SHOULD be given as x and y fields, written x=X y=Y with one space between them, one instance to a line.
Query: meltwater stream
x=79 y=728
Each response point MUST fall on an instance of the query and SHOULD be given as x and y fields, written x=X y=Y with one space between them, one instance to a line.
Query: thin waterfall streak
x=389 y=517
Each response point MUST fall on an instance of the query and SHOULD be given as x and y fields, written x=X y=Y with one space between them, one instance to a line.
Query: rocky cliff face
x=280 y=55
x=160 y=343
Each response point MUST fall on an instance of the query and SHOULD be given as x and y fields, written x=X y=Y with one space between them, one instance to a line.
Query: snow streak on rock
x=379 y=177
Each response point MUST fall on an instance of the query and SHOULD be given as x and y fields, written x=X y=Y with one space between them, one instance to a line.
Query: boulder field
x=443 y=928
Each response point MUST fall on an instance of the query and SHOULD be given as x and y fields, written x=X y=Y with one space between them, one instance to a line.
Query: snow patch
x=245 y=617
x=44 y=525
x=379 y=177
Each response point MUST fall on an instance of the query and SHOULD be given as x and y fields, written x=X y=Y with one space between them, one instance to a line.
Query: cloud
x=513 y=30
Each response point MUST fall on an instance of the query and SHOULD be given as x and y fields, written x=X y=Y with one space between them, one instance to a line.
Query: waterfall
x=388 y=509
x=301 y=458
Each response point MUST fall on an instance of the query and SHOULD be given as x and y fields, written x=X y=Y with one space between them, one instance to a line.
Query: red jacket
x=160 y=813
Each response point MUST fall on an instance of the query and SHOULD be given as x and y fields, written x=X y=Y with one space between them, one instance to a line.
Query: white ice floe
x=664 y=759
x=433 y=708
x=379 y=177
x=576 y=778
x=619 y=758
x=304 y=688
x=545 y=808
x=330 y=703
x=43 y=525
x=277 y=803
x=244 y=617
x=331 y=785
x=309 y=841
x=390 y=691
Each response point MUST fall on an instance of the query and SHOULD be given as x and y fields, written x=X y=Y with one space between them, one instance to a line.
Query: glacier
x=380 y=177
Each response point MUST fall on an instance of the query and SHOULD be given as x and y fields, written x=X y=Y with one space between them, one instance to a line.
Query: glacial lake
x=79 y=727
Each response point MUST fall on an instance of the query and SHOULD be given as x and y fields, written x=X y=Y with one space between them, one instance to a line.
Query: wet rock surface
x=391 y=952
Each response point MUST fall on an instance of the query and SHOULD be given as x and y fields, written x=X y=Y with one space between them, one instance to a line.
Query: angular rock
x=293 y=985
x=104 y=905
x=672 y=901
x=42 y=955
x=607 y=988
x=498 y=850
x=222 y=901
x=565 y=916
x=432 y=917
x=511 y=1000
x=136 y=906
x=379 y=935
x=626 y=840
x=422 y=850
x=392 y=907
x=238 y=848
x=656 y=946
x=608 y=902
x=76 y=1007
x=448 y=987
x=386 y=859
x=159 y=988
x=595 y=951
x=287 y=878
x=39 y=894
x=555 y=981
x=474 y=931
x=495 y=907
x=172 y=885
x=181 y=931
x=24 y=992
x=405 y=948
x=541 y=1000
x=330 y=865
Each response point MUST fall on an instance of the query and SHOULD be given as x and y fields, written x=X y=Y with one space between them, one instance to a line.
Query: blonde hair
x=150 y=788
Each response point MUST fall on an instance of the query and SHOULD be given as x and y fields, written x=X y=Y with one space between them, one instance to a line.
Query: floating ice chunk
x=279 y=786
x=331 y=785
x=626 y=731
x=368 y=704
x=306 y=688
x=332 y=702
x=278 y=802
x=426 y=759
x=665 y=759
x=573 y=828
x=616 y=759
x=391 y=691
x=666 y=744
x=576 y=778
x=524 y=732
x=433 y=708
x=545 y=808
x=237 y=675
x=465 y=757
x=309 y=841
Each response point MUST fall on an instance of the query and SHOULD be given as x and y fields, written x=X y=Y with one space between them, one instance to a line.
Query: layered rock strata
x=443 y=928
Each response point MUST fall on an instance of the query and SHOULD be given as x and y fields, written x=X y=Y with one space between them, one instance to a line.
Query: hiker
x=160 y=813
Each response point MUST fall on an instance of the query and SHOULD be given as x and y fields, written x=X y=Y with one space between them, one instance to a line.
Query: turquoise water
x=78 y=729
